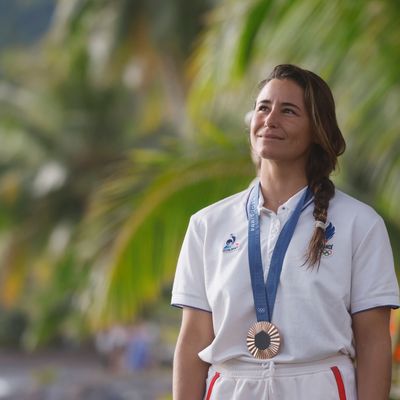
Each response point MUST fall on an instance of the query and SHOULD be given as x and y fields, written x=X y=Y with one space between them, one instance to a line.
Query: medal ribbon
x=265 y=295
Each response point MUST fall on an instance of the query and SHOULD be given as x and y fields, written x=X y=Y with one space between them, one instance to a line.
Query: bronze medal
x=263 y=340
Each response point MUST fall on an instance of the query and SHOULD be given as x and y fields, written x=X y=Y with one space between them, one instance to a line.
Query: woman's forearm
x=189 y=372
x=374 y=371
x=374 y=359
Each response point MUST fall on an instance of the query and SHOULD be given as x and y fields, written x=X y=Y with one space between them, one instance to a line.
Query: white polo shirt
x=313 y=307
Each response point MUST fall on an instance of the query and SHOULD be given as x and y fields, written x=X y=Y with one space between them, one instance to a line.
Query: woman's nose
x=271 y=120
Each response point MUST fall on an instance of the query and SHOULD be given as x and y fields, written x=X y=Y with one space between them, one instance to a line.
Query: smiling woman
x=307 y=288
x=280 y=128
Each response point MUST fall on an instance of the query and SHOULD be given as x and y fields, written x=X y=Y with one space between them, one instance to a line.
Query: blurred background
x=121 y=118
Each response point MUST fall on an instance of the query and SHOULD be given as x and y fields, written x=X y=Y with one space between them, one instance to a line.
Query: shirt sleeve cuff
x=386 y=301
x=184 y=300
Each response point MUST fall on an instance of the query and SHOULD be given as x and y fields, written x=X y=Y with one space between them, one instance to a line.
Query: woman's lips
x=269 y=135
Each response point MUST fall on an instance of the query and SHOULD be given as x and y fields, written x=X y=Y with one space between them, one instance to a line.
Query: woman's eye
x=288 y=111
x=262 y=108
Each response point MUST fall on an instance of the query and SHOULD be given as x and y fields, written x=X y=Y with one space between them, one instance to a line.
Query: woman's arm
x=189 y=371
x=373 y=349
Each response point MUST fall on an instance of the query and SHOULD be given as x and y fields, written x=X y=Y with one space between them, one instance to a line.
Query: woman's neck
x=280 y=184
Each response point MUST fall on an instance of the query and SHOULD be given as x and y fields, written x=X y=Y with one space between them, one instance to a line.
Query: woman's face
x=280 y=128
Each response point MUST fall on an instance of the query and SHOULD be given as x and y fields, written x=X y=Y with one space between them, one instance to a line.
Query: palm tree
x=353 y=46
x=68 y=121
x=241 y=42
x=180 y=158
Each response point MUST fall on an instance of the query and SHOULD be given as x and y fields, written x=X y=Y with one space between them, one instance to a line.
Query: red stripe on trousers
x=339 y=383
x=210 y=389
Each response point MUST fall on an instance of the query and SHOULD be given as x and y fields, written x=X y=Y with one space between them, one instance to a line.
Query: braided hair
x=328 y=145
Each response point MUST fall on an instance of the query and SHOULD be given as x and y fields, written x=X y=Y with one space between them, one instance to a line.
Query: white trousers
x=329 y=379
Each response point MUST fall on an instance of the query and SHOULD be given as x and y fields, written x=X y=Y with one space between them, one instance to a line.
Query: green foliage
x=118 y=127
x=353 y=45
x=71 y=112
x=146 y=243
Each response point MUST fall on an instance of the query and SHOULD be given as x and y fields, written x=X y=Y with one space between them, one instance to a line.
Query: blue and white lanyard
x=265 y=294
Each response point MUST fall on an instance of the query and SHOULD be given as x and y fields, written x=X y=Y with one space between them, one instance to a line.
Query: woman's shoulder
x=350 y=207
x=225 y=207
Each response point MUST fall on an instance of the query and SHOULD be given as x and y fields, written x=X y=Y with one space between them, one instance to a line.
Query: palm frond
x=142 y=256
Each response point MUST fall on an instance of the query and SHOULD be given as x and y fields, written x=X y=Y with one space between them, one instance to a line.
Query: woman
x=287 y=285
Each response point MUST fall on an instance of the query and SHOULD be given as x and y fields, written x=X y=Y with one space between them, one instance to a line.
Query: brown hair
x=328 y=145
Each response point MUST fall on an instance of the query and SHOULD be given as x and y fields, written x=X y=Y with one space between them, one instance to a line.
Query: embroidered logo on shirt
x=329 y=233
x=231 y=244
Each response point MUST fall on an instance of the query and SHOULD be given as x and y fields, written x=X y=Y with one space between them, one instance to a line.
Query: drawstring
x=271 y=376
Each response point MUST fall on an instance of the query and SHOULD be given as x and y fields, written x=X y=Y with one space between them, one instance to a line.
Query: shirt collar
x=288 y=206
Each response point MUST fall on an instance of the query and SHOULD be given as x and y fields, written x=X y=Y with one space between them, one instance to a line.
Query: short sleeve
x=189 y=283
x=374 y=282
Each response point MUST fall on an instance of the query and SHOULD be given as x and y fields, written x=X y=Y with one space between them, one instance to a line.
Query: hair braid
x=323 y=190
